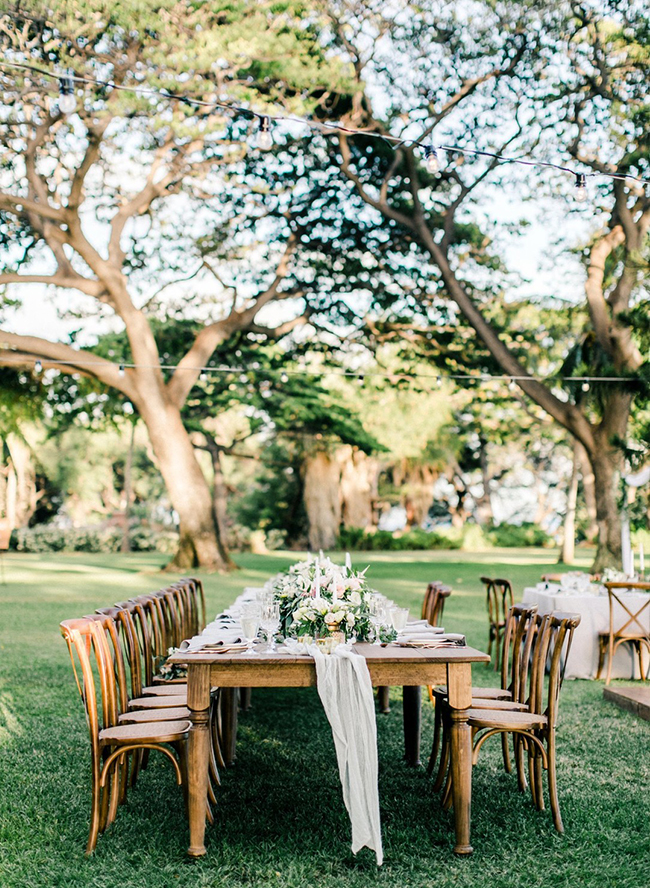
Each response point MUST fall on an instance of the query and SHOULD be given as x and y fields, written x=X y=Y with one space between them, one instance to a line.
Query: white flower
x=350 y=619
x=355 y=598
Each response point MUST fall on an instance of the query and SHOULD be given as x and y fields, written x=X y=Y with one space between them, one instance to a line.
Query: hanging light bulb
x=67 y=100
x=121 y=371
x=585 y=386
x=361 y=379
x=439 y=381
x=512 y=385
x=264 y=139
x=581 y=187
x=431 y=159
x=284 y=377
x=38 y=367
x=203 y=376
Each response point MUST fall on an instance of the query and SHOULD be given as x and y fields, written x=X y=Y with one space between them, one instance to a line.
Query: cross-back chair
x=499 y=599
x=535 y=727
x=433 y=604
x=628 y=624
x=517 y=643
x=94 y=670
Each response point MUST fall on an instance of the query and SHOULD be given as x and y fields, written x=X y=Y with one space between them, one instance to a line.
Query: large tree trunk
x=322 y=493
x=200 y=544
x=22 y=496
x=358 y=486
x=589 y=491
x=568 y=543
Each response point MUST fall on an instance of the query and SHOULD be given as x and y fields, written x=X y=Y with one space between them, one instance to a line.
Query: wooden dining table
x=410 y=668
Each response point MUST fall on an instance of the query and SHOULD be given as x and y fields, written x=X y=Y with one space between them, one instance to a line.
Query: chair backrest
x=627 y=618
x=499 y=599
x=197 y=603
x=551 y=650
x=434 y=602
x=90 y=654
x=146 y=613
x=118 y=651
x=517 y=629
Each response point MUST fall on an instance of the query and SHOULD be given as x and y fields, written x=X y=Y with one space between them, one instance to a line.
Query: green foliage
x=355 y=539
x=519 y=535
x=49 y=538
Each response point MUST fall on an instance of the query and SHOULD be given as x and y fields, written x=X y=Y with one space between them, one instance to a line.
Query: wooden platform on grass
x=634 y=699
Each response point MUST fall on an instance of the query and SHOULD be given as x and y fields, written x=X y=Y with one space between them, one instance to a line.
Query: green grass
x=281 y=820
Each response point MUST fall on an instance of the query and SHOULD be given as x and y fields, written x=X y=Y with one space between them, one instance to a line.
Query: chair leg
x=95 y=814
x=506 y=753
x=601 y=657
x=447 y=795
x=443 y=765
x=437 y=731
x=383 y=699
x=552 y=787
x=539 y=785
x=520 y=752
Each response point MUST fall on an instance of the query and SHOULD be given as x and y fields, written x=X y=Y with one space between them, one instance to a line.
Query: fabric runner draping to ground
x=345 y=690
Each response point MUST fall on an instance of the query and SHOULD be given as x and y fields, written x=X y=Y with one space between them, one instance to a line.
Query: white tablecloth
x=594 y=613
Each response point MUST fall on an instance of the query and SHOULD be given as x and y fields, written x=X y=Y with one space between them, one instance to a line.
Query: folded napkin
x=420 y=632
x=345 y=690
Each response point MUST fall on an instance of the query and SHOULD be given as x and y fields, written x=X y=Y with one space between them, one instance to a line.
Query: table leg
x=229 y=702
x=198 y=701
x=459 y=684
x=383 y=698
x=411 y=702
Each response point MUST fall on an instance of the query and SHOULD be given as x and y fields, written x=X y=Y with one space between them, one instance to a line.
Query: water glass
x=270 y=622
x=250 y=624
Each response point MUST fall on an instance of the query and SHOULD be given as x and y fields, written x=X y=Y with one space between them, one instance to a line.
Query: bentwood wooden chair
x=499 y=599
x=110 y=741
x=433 y=604
x=629 y=623
x=535 y=728
x=517 y=644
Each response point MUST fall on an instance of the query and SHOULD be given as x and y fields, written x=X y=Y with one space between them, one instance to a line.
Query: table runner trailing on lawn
x=345 y=690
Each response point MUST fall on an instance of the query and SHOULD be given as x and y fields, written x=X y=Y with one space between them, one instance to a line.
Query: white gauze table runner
x=345 y=690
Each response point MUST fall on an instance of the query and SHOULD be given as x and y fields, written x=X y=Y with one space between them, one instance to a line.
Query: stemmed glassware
x=250 y=624
x=270 y=622
x=378 y=614
x=399 y=618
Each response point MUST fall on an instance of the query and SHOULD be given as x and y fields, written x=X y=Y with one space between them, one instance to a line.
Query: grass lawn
x=281 y=820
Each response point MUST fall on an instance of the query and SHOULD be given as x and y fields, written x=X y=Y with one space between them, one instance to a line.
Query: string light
x=121 y=371
x=512 y=385
x=431 y=159
x=67 y=100
x=265 y=138
x=244 y=373
x=581 y=187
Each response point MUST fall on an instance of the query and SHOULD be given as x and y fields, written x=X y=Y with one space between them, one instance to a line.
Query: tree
x=578 y=77
x=85 y=199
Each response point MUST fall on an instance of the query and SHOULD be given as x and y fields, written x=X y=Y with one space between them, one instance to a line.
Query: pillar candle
x=348 y=561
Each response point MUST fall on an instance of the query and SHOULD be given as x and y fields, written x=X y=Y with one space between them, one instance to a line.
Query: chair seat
x=496 y=718
x=153 y=715
x=161 y=690
x=501 y=705
x=624 y=636
x=478 y=693
x=165 y=702
x=151 y=732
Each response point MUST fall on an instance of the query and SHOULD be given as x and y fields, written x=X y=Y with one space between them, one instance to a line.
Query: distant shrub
x=519 y=535
x=355 y=539
x=99 y=538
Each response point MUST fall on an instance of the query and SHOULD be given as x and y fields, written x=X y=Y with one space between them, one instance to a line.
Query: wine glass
x=250 y=624
x=399 y=618
x=270 y=622
x=377 y=607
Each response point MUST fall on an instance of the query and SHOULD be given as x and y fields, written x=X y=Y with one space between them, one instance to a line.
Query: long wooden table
x=390 y=665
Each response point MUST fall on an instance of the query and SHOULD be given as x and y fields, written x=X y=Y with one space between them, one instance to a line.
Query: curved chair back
x=434 y=602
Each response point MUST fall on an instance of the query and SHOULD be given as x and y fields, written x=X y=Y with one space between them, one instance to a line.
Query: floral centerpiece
x=318 y=597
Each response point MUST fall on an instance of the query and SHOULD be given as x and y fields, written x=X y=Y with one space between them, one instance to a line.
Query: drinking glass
x=399 y=618
x=250 y=624
x=270 y=623
x=378 y=615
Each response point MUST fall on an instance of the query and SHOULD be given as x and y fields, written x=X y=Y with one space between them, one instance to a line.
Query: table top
x=390 y=665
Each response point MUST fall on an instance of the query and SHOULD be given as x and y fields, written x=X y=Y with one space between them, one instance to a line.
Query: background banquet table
x=594 y=613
